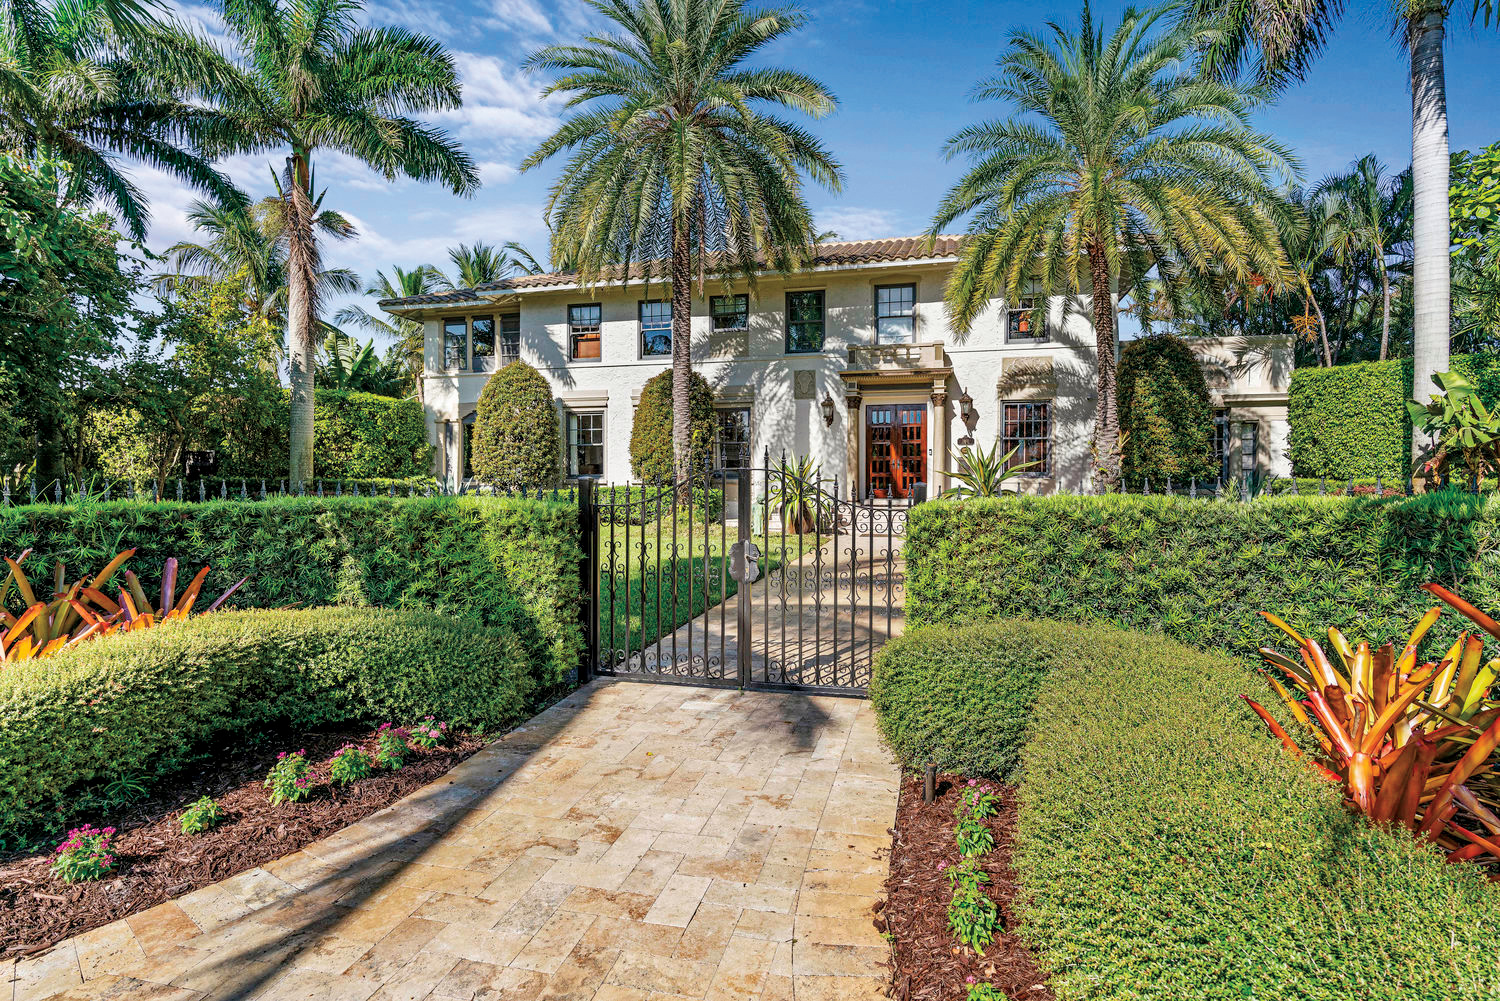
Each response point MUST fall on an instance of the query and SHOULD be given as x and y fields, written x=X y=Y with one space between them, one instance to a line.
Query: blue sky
x=902 y=71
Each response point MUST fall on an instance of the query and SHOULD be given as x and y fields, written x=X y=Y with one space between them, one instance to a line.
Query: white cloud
x=852 y=222
x=495 y=172
x=540 y=22
x=502 y=106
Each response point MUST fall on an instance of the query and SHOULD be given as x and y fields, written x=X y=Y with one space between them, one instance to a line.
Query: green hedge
x=140 y=704
x=359 y=435
x=1168 y=848
x=1351 y=421
x=502 y=561
x=1200 y=570
x=962 y=695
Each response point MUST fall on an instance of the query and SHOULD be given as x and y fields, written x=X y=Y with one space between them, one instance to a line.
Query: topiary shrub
x=516 y=440
x=651 y=433
x=962 y=695
x=1166 y=410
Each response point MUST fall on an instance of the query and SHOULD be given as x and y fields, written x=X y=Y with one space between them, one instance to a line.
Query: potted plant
x=796 y=490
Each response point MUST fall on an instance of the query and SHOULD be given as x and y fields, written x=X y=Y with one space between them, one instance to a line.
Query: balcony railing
x=878 y=357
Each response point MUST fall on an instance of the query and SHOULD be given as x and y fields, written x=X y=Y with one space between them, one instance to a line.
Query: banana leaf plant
x=83 y=610
x=1404 y=740
x=1460 y=430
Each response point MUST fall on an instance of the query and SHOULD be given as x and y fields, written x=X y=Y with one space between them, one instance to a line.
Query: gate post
x=588 y=528
x=742 y=606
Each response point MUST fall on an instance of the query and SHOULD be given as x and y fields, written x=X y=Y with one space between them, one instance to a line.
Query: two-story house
x=850 y=361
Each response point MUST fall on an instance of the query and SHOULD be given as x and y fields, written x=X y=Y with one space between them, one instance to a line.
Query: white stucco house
x=850 y=361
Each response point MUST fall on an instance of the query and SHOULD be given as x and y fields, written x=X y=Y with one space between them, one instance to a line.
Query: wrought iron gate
x=745 y=578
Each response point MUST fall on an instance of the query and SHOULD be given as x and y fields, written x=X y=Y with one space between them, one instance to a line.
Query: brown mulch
x=156 y=861
x=930 y=965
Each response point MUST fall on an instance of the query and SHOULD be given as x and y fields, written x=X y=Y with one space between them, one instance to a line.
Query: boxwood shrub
x=501 y=561
x=140 y=704
x=962 y=695
x=1168 y=848
x=1200 y=570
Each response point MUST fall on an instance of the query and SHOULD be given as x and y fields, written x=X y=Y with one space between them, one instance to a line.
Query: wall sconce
x=827 y=406
x=969 y=416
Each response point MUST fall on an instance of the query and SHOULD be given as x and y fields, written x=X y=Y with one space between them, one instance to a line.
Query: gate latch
x=744 y=562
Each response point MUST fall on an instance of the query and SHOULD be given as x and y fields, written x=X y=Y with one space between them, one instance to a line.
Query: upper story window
x=656 y=327
x=1027 y=428
x=729 y=312
x=732 y=438
x=1025 y=320
x=583 y=331
x=510 y=338
x=895 y=314
x=456 y=344
x=482 y=336
x=804 y=322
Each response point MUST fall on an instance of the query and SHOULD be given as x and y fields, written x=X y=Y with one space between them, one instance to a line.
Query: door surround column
x=852 y=401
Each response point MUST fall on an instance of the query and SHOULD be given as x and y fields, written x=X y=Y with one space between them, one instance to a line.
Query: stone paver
x=635 y=842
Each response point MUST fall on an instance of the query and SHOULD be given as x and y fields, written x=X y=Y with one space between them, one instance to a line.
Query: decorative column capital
x=852 y=400
x=940 y=398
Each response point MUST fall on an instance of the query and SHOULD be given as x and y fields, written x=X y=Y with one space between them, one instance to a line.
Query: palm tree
x=1356 y=207
x=314 y=79
x=479 y=263
x=673 y=162
x=357 y=368
x=1118 y=167
x=254 y=242
x=86 y=82
x=407 y=334
x=1286 y=35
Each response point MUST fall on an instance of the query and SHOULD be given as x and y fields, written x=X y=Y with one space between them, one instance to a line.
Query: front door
x=895 y=448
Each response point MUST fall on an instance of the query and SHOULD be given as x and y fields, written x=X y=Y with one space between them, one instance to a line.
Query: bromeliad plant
x=1404 y=740
x=83 y=610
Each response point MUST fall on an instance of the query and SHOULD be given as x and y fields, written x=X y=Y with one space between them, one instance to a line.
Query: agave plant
x=797 y=491
x=83 y=610
x=1403 y=740
x=983 y=474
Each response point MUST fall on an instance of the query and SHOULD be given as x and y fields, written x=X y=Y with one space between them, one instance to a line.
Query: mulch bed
x=930 y=965
x=158 y=862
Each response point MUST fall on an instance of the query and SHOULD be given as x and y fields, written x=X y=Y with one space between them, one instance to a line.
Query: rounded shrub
x=516 y=441
x=962 y=695
x=651 y=433
x=143 y=703
x=1166 y=410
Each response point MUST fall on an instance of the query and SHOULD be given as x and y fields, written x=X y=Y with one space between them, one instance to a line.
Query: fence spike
x=1409 y=488
x=223 y=489
x=1349 y=490
x=32 y=484
x=179 y=488
x=1323 y=487
x=57 y=490
x=1294 y=486
x=1379 y=487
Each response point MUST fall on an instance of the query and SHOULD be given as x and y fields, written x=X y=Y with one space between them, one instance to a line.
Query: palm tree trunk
x=301 y=318
x=1429 y=173
x=682 y=349
x=1385 y=308
x=1322 y=328
x=1107 y=414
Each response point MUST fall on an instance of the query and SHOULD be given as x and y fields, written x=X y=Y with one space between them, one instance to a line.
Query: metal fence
x=247 y=489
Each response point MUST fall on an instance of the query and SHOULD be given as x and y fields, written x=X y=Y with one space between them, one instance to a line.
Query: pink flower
x=970 y=979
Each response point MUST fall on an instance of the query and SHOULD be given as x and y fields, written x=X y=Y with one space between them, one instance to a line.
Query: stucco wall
x=990 y=370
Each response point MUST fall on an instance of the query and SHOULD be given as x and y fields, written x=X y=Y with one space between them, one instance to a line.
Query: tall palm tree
x=1116 y=164
x=316 y=80
x=477 y=263
x=1356 y=207
x=408 y=335
x=673 y=161
x=1286 y=36
x=87 y=82
x=254 y=241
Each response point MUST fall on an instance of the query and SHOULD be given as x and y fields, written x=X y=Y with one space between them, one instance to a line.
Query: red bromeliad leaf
x=1465 y=609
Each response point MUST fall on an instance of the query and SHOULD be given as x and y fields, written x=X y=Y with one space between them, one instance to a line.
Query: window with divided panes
x=585 y=442
x=583 y=331
x=1024 y=319
x=895 y=314
x=732 y=438
x=1027 y=428
x=804 y=322
x=656 y=328
x=456 y=344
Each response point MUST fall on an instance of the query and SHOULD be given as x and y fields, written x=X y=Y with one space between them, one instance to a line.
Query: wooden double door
x=895 y=448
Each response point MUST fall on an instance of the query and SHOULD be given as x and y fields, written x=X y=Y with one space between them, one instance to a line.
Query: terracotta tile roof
x=827 y=255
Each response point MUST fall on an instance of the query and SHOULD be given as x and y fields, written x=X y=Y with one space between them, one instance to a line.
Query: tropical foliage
x=981 y=472
x=674 y=166
x=1115 y=167
x=1457 y=430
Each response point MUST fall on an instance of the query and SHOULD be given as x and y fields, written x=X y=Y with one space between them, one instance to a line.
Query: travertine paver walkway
x=633 y=843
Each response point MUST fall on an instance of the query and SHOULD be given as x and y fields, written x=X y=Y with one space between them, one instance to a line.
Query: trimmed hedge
x=1200 y=570
x=651 y=455
x=1165 y=411
x=140 y=704
x=962 y=695
x=501 y=561
x=1168 y=848
x=362 y=435
x=1351 y=421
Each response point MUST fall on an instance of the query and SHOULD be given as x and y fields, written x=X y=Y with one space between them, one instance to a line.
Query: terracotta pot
x=880 y=493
